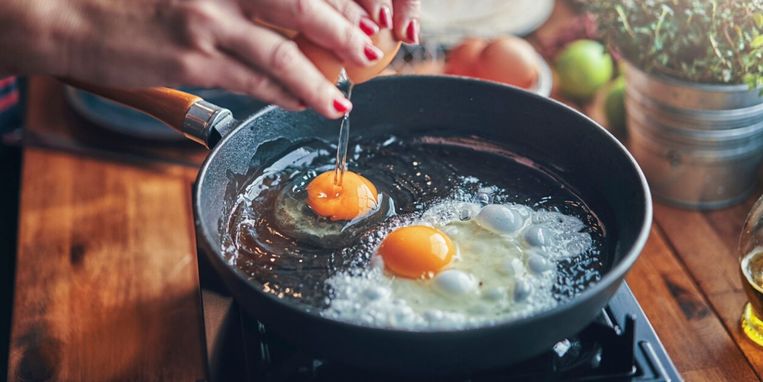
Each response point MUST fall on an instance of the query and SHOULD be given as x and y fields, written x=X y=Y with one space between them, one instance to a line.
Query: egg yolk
x=416 y=251
x=355 y=197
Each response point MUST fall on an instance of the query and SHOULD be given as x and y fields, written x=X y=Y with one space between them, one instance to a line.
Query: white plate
x=449 y=21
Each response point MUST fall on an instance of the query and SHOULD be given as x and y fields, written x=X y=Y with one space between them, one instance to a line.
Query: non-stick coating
x=583 y=154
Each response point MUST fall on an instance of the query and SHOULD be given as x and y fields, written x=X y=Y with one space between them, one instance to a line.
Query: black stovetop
x=620 y=345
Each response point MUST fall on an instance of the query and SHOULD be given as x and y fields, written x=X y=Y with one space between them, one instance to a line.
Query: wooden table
x=107 y=285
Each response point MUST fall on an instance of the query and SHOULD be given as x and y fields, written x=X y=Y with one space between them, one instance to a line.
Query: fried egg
x=460 y=265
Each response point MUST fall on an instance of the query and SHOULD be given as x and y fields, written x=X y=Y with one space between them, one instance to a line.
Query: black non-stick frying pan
x=580 y=152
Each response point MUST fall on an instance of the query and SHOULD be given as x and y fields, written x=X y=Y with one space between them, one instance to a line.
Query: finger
x=282 y=60
x=324 y=25
x=229 y=73
x=380 y=11
x=406 y=20
x=242 y=79
x=356 y=15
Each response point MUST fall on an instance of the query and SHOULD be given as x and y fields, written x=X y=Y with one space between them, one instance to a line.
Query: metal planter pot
x=700 y=145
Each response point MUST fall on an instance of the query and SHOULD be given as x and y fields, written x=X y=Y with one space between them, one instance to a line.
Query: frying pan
x=584 y=155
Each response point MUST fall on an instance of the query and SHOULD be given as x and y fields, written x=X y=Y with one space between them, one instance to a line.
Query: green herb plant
x=706 y=41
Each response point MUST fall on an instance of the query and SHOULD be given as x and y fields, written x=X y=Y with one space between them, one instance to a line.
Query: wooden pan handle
x=167 y=105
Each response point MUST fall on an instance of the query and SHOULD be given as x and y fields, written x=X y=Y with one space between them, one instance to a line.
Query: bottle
x=750 y=251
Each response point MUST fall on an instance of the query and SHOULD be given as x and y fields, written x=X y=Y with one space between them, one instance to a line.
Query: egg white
x=504 y=268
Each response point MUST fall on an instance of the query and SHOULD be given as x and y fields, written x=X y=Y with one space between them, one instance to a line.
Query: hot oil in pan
x=412 y=174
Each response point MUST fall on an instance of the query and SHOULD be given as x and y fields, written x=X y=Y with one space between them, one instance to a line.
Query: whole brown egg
x=462 y=59
x=510 y=60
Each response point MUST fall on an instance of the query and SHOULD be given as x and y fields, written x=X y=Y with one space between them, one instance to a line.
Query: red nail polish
x=412 y=32
x=385 y=17
x=372 y=53
x=368 y=26
x=342 y=105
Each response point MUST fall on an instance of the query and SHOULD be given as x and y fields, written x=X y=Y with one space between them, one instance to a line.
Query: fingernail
x=372 y=53
x=385 y=17
x=412 y=32
x=368 y=26
x=342 y=105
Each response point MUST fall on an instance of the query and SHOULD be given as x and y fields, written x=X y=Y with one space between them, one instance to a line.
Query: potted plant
x=694 y=93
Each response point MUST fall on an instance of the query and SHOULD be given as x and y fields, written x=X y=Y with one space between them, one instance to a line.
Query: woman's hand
x=205 y=43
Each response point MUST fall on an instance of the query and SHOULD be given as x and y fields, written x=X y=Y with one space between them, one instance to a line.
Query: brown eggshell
x=387 y=72
x=463 y=58
x=510 y=60
x=326 y=61
x=383 y=40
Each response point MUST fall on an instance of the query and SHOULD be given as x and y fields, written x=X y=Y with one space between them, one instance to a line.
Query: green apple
x=614 y=106
x=583 y=67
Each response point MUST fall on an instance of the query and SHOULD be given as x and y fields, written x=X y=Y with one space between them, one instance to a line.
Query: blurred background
x=677 y=81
